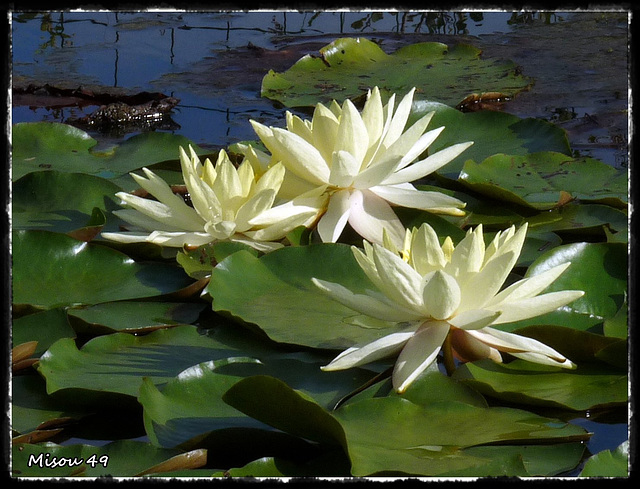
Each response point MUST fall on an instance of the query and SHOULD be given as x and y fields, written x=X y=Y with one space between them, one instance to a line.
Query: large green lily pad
x=442 y=438
x=61 y=201
x=545 y=180
x=347 y=67
x=51 y=270
x=587 y=387
x=284 y=303
x=41 y=146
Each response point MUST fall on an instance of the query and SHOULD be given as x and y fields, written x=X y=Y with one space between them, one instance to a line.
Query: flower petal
x=344 y=168
x=430 y=164
x=176 y=240
x=536 y=306
x=376 y=350
x=370 y=215
x=333 y=222
x=401 y=283
x=529 y=287
x=365 y=304
x=469 y=349
x=513 y=343
x=419 y=352
x=324 y=127
x=440 y=295
x=417 y=199
x=474 y=319
x=352 y=136
x=399 y=120
x=301 y=158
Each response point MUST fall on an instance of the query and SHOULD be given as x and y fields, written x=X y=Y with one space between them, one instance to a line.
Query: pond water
x=214 y=62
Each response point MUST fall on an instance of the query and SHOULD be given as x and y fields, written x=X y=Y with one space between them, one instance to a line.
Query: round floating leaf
x=45 y=327
x=273 y=402
x=348 y=66
x=51 y=270
x=198 y=263
x=445 y=438
x=545 y=180
x=133 y=317
x=63 y=202
x=52 y=146
x=491 y=132
x=608 y=463
x=600 y=269
x=588 y=387
x=32 y=409
x=284 y=302
x=585 y=220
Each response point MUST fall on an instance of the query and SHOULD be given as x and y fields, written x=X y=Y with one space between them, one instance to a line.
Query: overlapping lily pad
x=546 y=180
x=52 y=270
x=348 y=66
x=51 y=146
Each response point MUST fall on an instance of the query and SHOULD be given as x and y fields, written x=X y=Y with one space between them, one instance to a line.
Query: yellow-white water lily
x=225 y=200
x=433 y=291
x=352 y=166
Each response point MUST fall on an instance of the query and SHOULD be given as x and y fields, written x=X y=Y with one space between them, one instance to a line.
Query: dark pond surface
x=214 y=63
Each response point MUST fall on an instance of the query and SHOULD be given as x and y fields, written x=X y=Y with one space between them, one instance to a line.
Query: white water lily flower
x=353 y=166
x=438 y=291
x=225 y=200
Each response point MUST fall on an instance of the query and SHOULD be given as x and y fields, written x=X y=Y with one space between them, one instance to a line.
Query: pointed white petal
x=529 y=287
x=352 y=134
x=415 y=146
x=255 y=206
x=344 y=168
x=142 y=221
x=430 y=164
x=178 y=240
x=399 y=120
x=426 y=253
x=301 y=158
x=419 y=352
x=373 y=115
x=416 y=199
x=333 y=222
x=440 y=295
x=474 y=319
x=131 y=237
x=480 y=287
x=401 y=282
x=376 y=350
x=545 y=360
x=370 y=215
x=513 y=343
x=177 y=216
x=536 y=306
x=324 y=127
x=365 y=304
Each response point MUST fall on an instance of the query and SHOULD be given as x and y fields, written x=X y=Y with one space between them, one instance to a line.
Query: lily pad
x=52 y=270
x=133 y=317
x=608 y=463
x=546 y=180
x=284 y=303
x=62 y=202
x=491 y=132
x=45 y=327
x=600 y=269
x=588 y=387
x=41 y=146
x=348 y=66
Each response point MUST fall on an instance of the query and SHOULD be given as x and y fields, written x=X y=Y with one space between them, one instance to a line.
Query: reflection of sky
x=135 y=50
